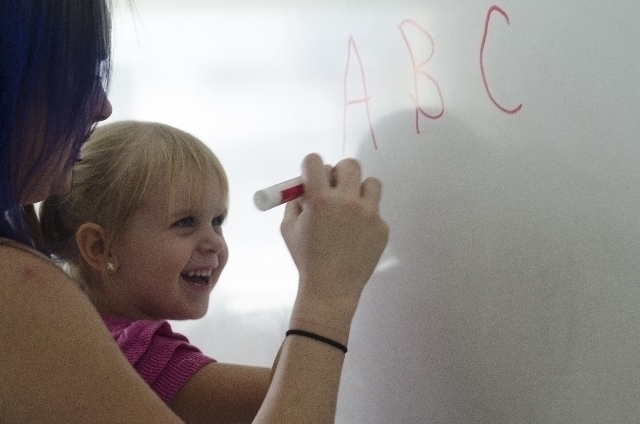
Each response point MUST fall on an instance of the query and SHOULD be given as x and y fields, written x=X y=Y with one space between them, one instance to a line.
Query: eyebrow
x=181 y=212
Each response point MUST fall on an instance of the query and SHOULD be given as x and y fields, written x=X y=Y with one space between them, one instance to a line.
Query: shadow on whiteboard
x=507 y=292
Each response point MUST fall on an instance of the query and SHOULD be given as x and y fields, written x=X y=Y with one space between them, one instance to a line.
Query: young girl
x=141 y=232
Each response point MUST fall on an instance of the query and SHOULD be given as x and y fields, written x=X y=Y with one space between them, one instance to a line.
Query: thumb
x=292 y=210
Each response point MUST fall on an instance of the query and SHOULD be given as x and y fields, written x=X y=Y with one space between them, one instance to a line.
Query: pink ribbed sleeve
x=164 y=359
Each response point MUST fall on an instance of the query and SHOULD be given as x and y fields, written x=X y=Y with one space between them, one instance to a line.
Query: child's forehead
x=185 y=190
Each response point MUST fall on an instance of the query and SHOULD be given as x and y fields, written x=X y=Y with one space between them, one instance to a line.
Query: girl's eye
x=188 y=221
x=218 y=221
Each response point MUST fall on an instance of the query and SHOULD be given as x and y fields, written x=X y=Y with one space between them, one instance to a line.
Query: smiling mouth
x=193 y=278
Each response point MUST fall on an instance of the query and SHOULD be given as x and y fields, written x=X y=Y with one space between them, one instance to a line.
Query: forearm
x=335 y=236
x=305 y=383
x=306 y=374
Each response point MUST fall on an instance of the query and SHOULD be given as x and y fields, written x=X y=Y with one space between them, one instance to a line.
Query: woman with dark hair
x=58 y=363
x=55 y=59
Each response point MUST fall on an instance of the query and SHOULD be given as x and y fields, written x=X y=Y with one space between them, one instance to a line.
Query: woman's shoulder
x=8 y=245
x=18 y=261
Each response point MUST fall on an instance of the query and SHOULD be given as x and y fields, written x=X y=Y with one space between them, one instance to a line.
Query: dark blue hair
x=54 y=68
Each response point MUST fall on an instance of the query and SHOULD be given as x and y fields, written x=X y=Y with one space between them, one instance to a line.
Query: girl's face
x=170 y=256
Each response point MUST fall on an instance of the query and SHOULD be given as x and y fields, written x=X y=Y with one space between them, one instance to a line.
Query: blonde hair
x=119 y=164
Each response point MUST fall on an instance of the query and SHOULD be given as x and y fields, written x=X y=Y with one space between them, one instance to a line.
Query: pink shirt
x=164 y=359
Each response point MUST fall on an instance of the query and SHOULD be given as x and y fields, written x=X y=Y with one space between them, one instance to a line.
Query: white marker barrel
x=278 y=194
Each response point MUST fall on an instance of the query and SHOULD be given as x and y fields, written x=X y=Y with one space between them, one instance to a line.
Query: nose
x=106 y=111
x=213 y=241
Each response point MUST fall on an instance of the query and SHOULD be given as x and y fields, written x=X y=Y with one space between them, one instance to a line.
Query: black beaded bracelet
x=317 y=337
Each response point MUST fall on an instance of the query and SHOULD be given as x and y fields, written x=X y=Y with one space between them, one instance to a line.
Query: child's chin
x=190 y=315
x=62 y=185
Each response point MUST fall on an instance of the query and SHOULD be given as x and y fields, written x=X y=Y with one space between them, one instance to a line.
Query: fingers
x=314 y=174
x=329 y=174
x=347 y=176
x=371 y=191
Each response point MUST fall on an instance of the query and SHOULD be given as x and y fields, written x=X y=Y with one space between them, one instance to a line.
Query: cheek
x=63 y=184
x=169 y=260
x=53 y=179
x=145 y=256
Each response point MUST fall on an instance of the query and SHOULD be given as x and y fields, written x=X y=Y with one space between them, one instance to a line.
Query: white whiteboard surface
x=510 y=288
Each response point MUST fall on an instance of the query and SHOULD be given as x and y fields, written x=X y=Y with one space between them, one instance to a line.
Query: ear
x=91 y=240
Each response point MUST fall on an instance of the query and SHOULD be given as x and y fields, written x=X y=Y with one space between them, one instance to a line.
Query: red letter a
x=364 y=99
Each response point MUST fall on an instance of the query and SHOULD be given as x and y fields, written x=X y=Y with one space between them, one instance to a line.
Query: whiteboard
x=506 y=139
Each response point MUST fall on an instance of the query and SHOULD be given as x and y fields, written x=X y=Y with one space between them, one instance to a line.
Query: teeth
x=203 y=273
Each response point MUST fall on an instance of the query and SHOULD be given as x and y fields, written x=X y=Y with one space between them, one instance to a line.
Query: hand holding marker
x=278 y=194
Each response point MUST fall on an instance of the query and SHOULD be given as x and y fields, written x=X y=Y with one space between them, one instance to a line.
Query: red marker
x=278 y=194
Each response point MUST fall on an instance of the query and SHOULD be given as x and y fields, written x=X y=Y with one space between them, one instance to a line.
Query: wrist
x=317 y=337
x=327 y=319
